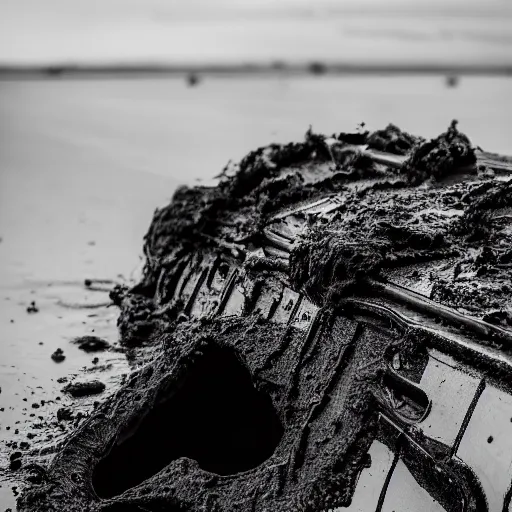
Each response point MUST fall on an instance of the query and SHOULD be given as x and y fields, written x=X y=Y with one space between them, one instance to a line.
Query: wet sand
x=84 y=164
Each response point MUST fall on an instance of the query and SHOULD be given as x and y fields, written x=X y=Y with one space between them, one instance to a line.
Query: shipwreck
x=334 y=327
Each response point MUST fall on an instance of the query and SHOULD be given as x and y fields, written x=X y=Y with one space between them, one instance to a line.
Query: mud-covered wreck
x=335 y=329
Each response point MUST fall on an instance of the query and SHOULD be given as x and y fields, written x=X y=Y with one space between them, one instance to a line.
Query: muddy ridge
x=262 y=297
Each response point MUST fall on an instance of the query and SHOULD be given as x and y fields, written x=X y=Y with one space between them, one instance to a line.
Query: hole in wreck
x=216 y=417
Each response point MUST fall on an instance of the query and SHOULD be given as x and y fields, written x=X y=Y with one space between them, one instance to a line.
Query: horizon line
x=276 y=67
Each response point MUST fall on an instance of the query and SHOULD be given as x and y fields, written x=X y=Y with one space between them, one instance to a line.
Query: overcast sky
x=234 y=31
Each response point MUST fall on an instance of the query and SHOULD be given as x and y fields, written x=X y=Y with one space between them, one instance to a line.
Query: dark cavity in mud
x=216 y=417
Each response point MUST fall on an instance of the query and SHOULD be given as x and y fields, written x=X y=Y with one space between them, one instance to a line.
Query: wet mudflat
x=78 y=204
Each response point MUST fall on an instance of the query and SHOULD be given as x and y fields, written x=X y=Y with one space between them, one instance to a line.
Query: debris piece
x=80 y=389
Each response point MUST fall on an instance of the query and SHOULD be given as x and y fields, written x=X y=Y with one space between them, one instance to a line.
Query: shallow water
x=83 y=164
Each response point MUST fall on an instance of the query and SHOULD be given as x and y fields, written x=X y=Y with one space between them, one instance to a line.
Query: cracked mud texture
x=437 y=214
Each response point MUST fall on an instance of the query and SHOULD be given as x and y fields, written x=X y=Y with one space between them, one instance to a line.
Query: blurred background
x=205 y=32
x=107 y=105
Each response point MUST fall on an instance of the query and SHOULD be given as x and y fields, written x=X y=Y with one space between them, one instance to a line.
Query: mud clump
x=91 y=344
x=58 y=356
x=393 y=140
x=440 y=157
x=81 y=389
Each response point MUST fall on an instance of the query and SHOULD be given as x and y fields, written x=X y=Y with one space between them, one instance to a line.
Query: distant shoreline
x=274 y=69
